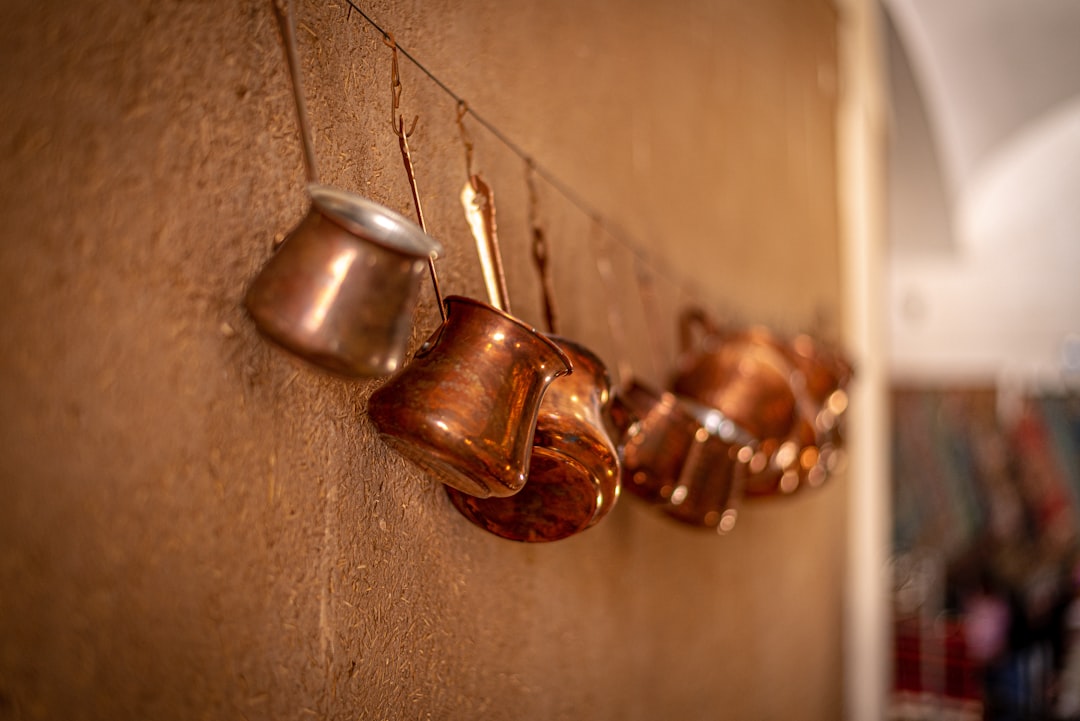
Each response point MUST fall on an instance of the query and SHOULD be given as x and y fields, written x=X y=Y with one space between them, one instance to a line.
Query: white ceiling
x=985 y=189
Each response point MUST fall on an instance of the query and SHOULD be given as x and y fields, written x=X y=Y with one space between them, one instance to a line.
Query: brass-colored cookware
x=713 y=474
x=789 y=395
x=740 y=373
x=815 y=447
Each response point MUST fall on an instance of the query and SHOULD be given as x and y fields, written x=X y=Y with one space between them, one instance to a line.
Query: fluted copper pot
x=341 y=290
x=465 y=407
x=573 y=476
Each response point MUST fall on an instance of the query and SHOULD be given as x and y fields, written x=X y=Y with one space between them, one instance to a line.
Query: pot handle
x=695 y=318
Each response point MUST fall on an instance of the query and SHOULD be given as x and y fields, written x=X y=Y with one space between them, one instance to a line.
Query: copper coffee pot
x=814 y=449
x=341 y=290
x=465 y=408
x=741 y=373
x=713 y=474
x=682 y=457
x=788 y=395
x=573 y=477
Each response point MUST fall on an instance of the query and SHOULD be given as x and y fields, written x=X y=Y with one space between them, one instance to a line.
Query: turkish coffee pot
x=341 y=290
x=465 y=407
x=573 y=474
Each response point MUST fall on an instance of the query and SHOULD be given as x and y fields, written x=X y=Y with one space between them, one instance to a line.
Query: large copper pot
x=465 y=407
x=573 y=475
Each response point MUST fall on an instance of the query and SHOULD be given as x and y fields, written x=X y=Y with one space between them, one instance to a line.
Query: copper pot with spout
x=573 y=475
x=465 y=407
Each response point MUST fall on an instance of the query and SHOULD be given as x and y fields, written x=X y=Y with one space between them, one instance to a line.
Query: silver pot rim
x=374 y=222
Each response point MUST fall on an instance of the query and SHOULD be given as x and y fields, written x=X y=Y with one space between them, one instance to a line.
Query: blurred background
x=984 y=356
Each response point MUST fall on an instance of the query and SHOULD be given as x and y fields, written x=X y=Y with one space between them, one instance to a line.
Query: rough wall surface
x=195 y=525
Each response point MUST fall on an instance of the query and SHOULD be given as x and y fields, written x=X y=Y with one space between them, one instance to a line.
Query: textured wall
x=194 y=525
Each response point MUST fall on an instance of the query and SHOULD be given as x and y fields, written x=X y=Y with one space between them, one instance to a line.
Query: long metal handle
x=478 y=200
x=406 y=158
x=284 y=17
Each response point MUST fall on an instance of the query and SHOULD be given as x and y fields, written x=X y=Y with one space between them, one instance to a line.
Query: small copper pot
x=713 y=474
x=657 y=433
x=814 y=448
x=573 y=476
x=341 y=290
x=465 y=407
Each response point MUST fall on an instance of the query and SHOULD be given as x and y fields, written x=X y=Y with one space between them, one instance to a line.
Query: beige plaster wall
x=194 y=525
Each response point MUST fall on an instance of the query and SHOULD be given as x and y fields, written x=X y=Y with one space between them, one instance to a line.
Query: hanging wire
x=656 y=265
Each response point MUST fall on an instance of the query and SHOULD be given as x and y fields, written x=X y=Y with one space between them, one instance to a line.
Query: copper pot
x=657 y=433
x=573 y=475
x=341 y=290
x=465 y=407
x=687 y=459
x=814 y=449
x=740 y=373
x=713 y=474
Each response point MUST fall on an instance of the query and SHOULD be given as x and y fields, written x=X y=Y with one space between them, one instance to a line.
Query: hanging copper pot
x=713 y=474
x=341 y=290
x=788 y=395
x=814 y=448
x=465 y=407
x=741 y=373
x=657 y=433
x=573 y=475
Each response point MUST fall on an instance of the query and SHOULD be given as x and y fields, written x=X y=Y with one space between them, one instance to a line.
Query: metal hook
x=540 y=253
x=398 y=122
x=466 y=139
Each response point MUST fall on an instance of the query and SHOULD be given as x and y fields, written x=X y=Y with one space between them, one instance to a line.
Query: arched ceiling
x=985 y=189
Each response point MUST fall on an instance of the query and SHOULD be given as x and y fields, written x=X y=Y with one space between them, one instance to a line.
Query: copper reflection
x=573 y=475
x=465 y=407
